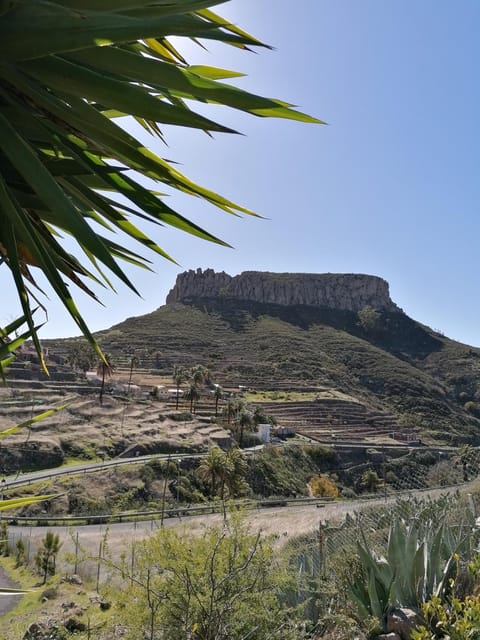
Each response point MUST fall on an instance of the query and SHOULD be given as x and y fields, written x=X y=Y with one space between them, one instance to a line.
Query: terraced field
x=330 y=420
x=89 y=430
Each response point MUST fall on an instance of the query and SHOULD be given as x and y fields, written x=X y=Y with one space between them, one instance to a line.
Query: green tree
x=245 y=421
x=20 y=553
x=213 y=470
x=223 y=585
x=69 y=69
x=236 y=470
x=46 y=556
x=370 y=481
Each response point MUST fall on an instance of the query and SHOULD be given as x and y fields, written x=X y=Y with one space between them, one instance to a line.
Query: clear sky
x=390 y=187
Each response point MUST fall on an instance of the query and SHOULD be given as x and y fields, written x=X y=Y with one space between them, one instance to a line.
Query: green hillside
x=427 y=381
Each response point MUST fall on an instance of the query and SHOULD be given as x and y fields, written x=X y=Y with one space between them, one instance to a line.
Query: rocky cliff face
x=350 y=292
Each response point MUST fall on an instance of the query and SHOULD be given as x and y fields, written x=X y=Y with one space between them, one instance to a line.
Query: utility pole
x=384 y=470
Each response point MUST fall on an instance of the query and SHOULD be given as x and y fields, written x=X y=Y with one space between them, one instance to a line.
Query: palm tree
x=105 y=370
x=245 y=421
x=236 y=471
x=192 y=394
x=199 y=374
x=179 y=377
x=69 y=71
x=134 y=362
x=218 y=395
x=213 y=470
x=230 y=410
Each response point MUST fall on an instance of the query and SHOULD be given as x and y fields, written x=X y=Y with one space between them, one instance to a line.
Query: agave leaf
x=30 y=421
x=69 y=69
x=16 y=503
x=161 y=74
x=377 y=606
x=360 y=596
x=5 y=591
x=36 y=29
x=435 y=562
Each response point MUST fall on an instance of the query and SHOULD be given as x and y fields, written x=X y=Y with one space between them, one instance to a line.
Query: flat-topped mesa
x=346 y=291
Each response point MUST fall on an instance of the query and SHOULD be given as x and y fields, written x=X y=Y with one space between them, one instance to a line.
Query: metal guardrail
x=167 y=512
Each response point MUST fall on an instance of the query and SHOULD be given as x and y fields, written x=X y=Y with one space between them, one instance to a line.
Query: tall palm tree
x=193 y=395
x=230 y=410
x=245 y=421
x=213 y=470
x=179 y=377
x=69 y=71
x=105 y=370
x=134 y=362
x=198 y=374
x=218 y=395
x=236 y=471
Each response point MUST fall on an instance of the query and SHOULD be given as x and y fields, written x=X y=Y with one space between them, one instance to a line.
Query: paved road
x=284 y=521
x=91 y=467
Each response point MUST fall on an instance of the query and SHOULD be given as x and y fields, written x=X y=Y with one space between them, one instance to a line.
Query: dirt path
x=7 y=602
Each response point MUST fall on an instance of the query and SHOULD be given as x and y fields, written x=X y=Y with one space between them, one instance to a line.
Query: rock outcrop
x=350 y=292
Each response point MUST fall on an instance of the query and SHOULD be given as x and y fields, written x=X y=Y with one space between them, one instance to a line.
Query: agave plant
x=69 y=69
x=419 y=563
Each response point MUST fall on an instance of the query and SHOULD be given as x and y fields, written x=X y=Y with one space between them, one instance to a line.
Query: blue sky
x=390 y=187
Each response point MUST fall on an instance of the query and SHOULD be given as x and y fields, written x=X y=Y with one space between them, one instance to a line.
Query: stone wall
x=350 y=292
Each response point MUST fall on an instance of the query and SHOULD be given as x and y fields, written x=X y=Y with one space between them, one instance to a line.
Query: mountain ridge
x=346 y=291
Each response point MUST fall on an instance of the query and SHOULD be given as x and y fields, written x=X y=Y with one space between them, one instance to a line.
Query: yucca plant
x=69 y=69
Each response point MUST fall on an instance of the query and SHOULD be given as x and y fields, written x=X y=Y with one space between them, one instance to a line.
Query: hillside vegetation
x=429 y=382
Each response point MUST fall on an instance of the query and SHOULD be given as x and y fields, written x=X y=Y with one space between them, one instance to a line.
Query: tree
x=245 y=421
x=134 y=362
x=105 y=370
x=46 y=555
x=370 y=480
x=80 y=355
x=222 y=585
x=213 y=470
x=230 y=410
x=20 y=553
x=236 y=470
x=218 y=395
x=193 y=395
x=179 y=377
x=69 y=69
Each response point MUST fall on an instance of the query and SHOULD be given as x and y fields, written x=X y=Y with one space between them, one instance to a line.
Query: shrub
x=323 y=486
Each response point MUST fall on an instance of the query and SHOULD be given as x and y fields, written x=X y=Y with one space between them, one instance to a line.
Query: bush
x=457 y=620
x=323 y=486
